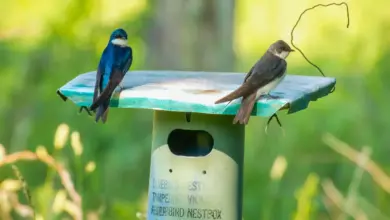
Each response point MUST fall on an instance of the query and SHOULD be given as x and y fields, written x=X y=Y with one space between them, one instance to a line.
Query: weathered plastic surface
x=191 y=187
x=185 y=91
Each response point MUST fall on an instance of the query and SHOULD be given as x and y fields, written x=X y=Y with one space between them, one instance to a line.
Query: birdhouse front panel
x=196 y=167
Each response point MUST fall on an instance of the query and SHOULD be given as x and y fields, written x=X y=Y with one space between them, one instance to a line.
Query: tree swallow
x=114 y=63
x=264 y=76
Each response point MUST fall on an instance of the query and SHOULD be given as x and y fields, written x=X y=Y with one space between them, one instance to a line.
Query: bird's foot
x=277 y=120
x=86 y=109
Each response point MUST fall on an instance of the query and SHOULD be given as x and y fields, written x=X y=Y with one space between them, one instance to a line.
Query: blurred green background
x=45 y=43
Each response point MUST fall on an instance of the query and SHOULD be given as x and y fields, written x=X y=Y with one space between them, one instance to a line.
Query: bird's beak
x=292 y=50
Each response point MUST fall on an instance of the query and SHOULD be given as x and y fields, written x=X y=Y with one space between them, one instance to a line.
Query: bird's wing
x=249 y=74
x=128 y=60
x=243 y=89
x=118 y=72
x=115 y=78
x=99 y=74
x=264 y=71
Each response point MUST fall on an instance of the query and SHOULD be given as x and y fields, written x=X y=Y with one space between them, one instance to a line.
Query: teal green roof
x=185 y=91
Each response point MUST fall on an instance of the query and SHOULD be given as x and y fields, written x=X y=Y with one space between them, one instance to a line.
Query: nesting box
x=197 y=155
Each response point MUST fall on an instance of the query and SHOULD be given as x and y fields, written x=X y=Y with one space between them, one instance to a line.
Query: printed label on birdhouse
x=196 y=188
x=181 y=205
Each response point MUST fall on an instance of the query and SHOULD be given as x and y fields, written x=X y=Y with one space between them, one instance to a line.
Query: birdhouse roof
x=185 y=91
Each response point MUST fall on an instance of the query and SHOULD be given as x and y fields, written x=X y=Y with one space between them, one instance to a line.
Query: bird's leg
x=86 y=109
x=277 y=119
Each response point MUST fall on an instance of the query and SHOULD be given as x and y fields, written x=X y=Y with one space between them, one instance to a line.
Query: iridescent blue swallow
x=114 y=64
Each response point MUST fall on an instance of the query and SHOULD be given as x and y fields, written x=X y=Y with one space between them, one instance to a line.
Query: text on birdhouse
x=193 y=213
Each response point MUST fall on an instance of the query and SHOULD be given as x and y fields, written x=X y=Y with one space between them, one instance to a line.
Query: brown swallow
x=264 y=76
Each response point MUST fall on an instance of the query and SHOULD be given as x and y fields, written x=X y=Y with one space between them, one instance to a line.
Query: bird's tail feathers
x=105 y=114
x=99 y=112
x=102 y=112
x=104 y=96
x=245 y=110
